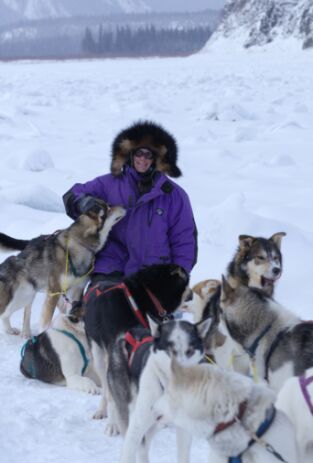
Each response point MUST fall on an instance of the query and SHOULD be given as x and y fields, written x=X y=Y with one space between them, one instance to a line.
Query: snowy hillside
x=48 y=9
x=243 y=121
x=257 y=22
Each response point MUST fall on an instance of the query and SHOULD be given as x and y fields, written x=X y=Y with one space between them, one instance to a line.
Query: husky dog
x=61 y=355
x=296 y=399
x=54 y=263
x=228 y=410
x=280 y=344
x=156 y=290
x=257 y=262
x=137 y=384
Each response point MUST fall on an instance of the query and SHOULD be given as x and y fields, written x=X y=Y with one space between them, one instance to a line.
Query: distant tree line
x=145 y=41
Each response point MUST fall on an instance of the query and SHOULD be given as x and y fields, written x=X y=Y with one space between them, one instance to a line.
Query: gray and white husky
x=137 y=381
x=228 y=410
x=54 y=263
x=257 y=262
x=279 y=343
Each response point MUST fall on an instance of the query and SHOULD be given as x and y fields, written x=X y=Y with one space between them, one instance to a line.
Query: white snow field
x=243 y=121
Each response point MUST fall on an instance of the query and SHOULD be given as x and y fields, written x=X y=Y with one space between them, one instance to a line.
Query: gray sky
x=185 y=5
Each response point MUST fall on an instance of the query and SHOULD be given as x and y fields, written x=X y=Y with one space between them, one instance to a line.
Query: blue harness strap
x=270 y=416
x=79 y=345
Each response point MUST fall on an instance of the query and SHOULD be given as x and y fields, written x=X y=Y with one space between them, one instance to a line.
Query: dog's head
x=180 y=339
x=98 y=221
x=259 y=261
x=167 y=282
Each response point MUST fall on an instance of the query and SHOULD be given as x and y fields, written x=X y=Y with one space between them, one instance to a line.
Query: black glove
x=87 y=204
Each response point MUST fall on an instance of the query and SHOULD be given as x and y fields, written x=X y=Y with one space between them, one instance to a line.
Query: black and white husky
x=279 y=343
x=61 y=355
x=139 y=378
x=156 y=290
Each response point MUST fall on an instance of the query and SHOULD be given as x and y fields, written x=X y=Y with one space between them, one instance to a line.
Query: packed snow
x=243 y=121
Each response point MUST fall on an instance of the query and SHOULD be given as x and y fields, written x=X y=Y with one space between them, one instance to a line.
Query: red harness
x=161 y=311
x=224 y=425
x=135 y=344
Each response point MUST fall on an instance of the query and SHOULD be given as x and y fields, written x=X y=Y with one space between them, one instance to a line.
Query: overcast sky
x=185 y=5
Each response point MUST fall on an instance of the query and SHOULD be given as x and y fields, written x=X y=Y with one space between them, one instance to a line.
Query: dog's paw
x=99 y=415
x=12 y=330
x=111 y=430
x=95 y=390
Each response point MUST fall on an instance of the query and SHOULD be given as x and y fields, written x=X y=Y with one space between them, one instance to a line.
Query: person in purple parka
x=159 y=226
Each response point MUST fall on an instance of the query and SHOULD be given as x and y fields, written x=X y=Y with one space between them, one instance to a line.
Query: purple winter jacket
x=158 y=228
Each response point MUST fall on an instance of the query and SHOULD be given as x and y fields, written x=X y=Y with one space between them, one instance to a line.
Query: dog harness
x=135 y=344
x=34 y=340
x=304 y=382
x=79 y=345
x=256 y=438
x=131 y=301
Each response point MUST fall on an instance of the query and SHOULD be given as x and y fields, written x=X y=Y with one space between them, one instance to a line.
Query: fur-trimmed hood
x=149 y=135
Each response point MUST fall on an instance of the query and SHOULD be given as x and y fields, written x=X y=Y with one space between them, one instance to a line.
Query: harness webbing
x=135 y=344
x=259 y=433
x=277 y=340
x=131 y=301
x=304 y=382
x=80 y=347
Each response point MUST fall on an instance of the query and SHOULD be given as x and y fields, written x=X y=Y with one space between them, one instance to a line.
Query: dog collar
x=226 y=424
x=161 y=311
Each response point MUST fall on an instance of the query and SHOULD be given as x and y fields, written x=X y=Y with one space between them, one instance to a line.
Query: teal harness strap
x=32 y=367
x=80 y=346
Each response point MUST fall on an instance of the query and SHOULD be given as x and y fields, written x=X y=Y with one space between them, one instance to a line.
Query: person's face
x=143 y=159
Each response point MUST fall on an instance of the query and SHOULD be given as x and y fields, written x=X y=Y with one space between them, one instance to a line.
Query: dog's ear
x=154 y=327
x=277 y=237
x=227 y=291
x=245 y=241
x=181 y=272
x=203 y=327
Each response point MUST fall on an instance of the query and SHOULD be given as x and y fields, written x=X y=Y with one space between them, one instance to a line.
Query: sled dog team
x=152 y=369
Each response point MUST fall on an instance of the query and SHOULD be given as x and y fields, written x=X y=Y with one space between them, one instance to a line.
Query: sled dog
x=257 y=262
x=137 y=381
x=278 y=342
x=156 y=290
x=228 y=410
x=296 y=399
x=54 y=264
x=61 y=355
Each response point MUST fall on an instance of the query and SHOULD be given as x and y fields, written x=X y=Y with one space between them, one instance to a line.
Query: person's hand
x=87 y=204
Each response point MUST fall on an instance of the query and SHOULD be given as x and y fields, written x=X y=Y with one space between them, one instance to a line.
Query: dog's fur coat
x=282 y=343
x=201 y=397
x=61 y=355
x=291 y=401
x=41 y=266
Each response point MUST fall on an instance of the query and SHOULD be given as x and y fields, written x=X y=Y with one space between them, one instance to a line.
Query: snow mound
x=38 y=161
x=35 y=197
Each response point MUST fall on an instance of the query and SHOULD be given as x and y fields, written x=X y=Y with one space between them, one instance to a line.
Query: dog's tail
x=7 y=242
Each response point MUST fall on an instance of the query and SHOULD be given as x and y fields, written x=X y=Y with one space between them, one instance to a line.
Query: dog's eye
x=189 y=352
x=174 y=352
x=261 y=257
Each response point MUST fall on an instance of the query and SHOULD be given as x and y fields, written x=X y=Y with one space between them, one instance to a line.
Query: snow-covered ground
x=243 y=122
